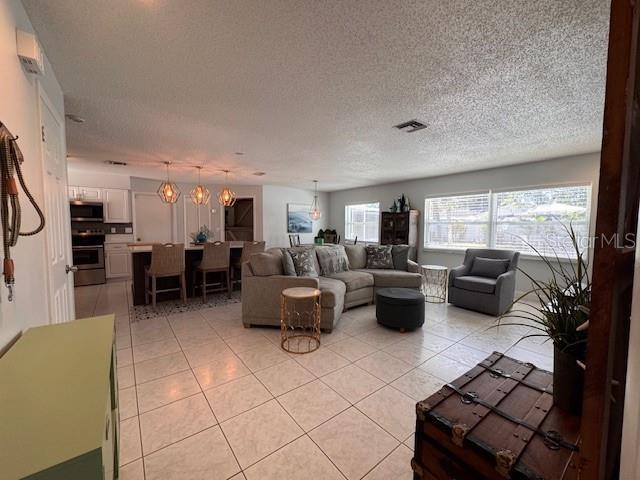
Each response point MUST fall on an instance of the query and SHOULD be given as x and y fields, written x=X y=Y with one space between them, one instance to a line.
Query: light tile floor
x=201 y=397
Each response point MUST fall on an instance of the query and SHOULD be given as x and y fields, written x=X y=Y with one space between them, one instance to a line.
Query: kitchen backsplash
x=118 y=228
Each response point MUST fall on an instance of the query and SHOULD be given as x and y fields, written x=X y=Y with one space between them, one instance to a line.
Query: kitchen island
x=141 y=257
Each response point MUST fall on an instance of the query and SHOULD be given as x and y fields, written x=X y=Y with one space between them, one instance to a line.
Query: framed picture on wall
x=298 y=220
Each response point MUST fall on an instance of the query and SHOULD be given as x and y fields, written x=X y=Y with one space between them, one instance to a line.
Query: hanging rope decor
x=10 y=212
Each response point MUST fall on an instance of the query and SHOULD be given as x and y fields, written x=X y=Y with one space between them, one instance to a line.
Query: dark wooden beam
x=613 y=262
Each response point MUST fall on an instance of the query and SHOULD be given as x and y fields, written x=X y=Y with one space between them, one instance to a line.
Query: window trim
x=346 y=205
x=492 y=218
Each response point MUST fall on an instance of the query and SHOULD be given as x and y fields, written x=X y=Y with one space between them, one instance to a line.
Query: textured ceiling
x=311 y=89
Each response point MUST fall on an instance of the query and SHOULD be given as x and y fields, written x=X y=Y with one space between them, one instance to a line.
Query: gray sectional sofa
x=263 y=279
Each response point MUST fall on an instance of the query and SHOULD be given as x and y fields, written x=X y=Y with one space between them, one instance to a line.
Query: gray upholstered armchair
x=485 y=282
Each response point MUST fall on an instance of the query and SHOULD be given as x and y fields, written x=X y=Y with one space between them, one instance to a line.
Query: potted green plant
x=560 y=311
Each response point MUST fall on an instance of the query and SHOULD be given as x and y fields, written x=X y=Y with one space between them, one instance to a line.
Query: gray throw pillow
x=357 y=255
x=379 y=256
x=287 y=263
x=488 y=267
x=333 y=259
x=400 y=254
x=303 y=263
x=265 y=264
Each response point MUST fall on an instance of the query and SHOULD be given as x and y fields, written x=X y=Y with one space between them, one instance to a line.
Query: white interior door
x=56 y=209
x=153 y=220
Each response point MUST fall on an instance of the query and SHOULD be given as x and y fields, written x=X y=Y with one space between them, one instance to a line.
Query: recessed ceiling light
x=74 y=118
x=259 y=174
x=410 y=126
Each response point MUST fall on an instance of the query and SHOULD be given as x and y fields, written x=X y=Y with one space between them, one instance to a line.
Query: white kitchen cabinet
x=73 y=193
x=117 y=260
x=91 y=194
x=86 y=194
x=117 y=207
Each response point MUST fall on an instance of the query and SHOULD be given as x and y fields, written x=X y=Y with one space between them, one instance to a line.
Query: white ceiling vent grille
x=410 y=126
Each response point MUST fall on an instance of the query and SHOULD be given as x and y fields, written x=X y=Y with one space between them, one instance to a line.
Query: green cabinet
x=59 y=403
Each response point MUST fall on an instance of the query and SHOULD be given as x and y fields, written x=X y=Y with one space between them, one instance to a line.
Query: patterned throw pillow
x=379 y=256
x=333 y=259
x=303 y=262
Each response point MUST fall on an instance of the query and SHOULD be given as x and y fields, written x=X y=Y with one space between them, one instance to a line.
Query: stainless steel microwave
x=86 y=211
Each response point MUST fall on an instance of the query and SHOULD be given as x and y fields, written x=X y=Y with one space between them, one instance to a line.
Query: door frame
x=603 y=416
x=44 y=98
x=223 y=216
x=174 y=221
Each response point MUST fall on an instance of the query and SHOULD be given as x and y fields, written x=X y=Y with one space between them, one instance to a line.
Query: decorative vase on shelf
x=394 y=207
x=558 y=310
x=402 y=203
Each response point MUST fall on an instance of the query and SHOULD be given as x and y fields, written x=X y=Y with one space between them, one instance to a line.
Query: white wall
x=275 y=200
x=88 y=178
x=19 y=110
x=630 y=460
x=583 y=168
x=242 y=191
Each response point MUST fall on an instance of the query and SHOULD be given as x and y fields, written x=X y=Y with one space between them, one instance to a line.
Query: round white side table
x=434 y=283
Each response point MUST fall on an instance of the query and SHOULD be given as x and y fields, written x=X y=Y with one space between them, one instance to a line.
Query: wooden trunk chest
x=496 y=421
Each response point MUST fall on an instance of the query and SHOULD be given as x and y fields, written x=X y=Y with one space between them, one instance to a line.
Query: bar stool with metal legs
x=166 y=261
x=215 y=258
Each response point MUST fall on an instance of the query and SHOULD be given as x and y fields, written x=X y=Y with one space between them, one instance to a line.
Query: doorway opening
x=239 y=221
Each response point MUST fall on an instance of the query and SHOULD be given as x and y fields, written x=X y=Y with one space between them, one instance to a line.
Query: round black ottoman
x=401 y=308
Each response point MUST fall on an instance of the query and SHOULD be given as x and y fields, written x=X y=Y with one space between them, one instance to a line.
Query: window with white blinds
x=523 y=220
x=538 y=219
x=362 y=221
x=460 y=221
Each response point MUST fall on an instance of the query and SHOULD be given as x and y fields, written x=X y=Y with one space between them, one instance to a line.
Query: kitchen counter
x=146 y=247
x=141 y=257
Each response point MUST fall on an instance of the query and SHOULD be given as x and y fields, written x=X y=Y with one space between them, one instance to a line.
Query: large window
x=457 y=221
x=523 y=220
x=361 y=221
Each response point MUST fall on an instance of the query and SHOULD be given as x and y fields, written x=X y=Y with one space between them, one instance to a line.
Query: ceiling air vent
x=113 y=162
x=410 y=126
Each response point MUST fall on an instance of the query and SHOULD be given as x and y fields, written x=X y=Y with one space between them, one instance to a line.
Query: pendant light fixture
x=168 y=191
x=226 y=197
x=315 y=212
x=200 y=194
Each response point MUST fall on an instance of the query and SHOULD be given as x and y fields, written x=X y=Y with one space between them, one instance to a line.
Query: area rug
x=173 y=307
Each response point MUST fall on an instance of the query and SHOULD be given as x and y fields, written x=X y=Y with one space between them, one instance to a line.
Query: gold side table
x=434 y=283
x=300 y=319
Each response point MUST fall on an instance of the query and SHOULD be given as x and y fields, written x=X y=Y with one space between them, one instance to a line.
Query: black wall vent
x=410 y=126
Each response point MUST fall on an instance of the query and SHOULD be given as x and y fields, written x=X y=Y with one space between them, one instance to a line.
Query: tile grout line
x=350 y=362
x=144 y=473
